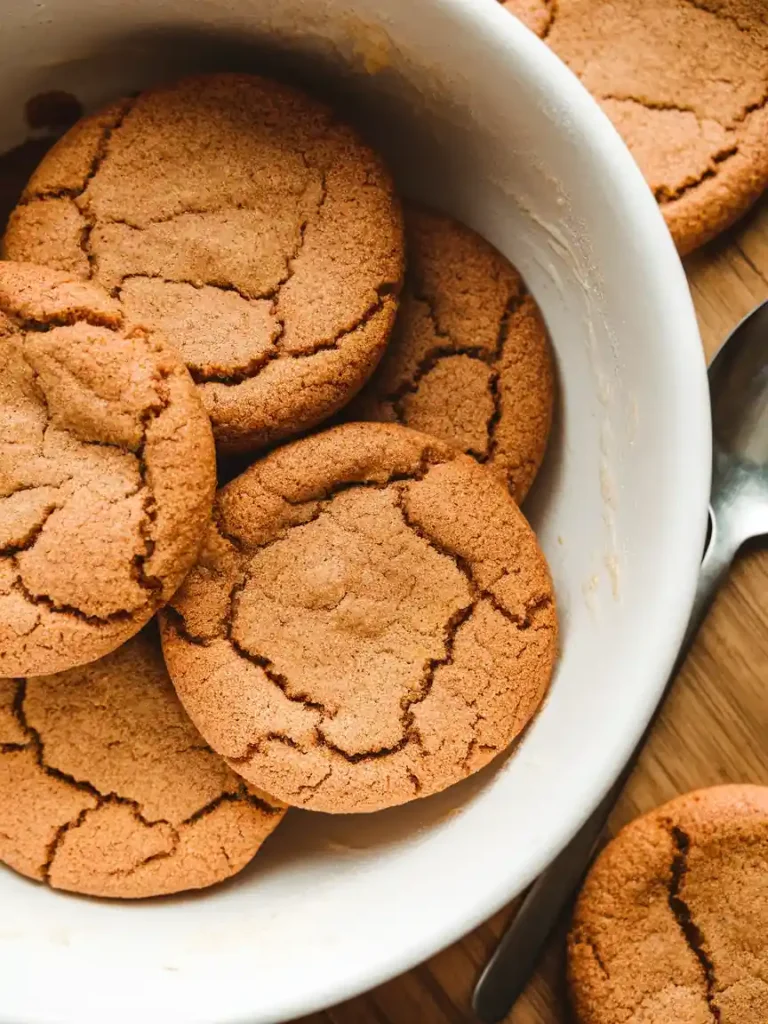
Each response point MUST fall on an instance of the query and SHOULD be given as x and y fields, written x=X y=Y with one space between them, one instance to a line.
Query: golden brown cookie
x=469 y=361
x=686 y=84
x=242 y=218
x=371 y=620
x=107 y=472
x=672 y=922
x=107 y=789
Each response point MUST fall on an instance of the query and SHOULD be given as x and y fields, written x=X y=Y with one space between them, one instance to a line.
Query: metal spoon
x=738 y=381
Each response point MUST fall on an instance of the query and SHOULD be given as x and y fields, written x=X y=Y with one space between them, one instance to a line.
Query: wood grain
x=713 y=729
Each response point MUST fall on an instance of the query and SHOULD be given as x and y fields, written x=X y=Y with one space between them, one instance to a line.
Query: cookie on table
x=107 y=472
x=672 y=922
x=686 y=85
x=107 y=789
x=246 y=221
x=371 y=620
x=469 y=361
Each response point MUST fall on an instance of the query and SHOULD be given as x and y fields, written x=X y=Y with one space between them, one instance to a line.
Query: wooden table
x=714 y=727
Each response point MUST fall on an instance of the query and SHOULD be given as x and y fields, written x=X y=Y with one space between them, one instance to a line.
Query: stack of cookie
x=362 y=616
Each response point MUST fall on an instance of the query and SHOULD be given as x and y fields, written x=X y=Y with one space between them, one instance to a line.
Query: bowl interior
x=477 y=117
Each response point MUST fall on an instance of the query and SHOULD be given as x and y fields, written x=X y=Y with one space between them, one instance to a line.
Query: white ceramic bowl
x=477 y=116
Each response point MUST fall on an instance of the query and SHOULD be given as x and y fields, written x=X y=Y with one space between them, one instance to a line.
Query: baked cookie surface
x=371 y=620
x=672 y=922
x=686 y=84
x=469 y=360
x=107 y=789
x=247 y=222
x=107 y=472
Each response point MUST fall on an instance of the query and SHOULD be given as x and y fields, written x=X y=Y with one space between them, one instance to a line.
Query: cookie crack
x=474 y=743
x=240 y=795
x=255 y=366
x=313 y=787
x=152 y=584
x=408 y=701
x=439 y=352
x=649 y=104
x=44 y=601
x=552 y=11
x=550 y=8
x=53 y=847
x=426 y=365
x=383 y=291
x=272 y=293
x=197 y=284
x=96 y=164
x=32 y=534
x=682 y=913
x=513 y=305
x=173 y=618
x=254 y=748
x=265 y=664
x=45 y=322
x=722 y=16
x=149 y=583
x=293 y=258
x=663 y=195
x=37 y=745
x=428 y=459
x=583 y=939
x=479 y=593
x=35 y=741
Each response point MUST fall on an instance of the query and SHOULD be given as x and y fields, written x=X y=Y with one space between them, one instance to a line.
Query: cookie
x=107 y=472
x=107 y=788
x=245 y=221
x=686 y=84
x=469 y=361
x=672 y=922
x=371 y=620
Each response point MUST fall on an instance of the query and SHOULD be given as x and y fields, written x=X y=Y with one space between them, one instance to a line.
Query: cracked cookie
x=686 y=84
x=469 y=360
x=245 y=221
x=672 y=922
x=109 y=790
x=371 y=620
x=107 y=472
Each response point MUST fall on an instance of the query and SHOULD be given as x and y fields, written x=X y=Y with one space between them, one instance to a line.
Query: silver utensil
x=738 y=382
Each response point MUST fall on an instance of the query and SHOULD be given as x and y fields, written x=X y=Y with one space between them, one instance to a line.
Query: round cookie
x=672 y=922
x=107 y=472
x=686 y=84
x=371 y=620
x=245 y=221
x=469 y=361
x=107 y=789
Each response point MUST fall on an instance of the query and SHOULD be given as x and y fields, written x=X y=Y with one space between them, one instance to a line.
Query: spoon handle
x=517 y=954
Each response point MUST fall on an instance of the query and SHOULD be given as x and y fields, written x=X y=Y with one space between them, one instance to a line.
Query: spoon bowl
x=738 y=380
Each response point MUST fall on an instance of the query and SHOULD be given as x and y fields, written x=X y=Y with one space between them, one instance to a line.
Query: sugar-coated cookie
x=469 y=360
x=686 y=84
x=672 y=922
x=248 y=223
x=107 y=472
x=107 y=789
x=371 y=620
